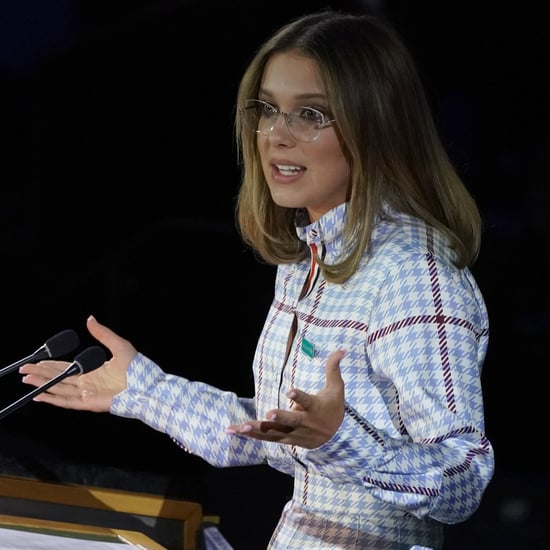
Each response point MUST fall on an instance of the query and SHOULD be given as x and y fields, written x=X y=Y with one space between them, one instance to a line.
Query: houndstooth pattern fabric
x=411 y=453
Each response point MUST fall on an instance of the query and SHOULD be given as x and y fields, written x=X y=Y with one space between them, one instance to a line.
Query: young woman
x=367 y=370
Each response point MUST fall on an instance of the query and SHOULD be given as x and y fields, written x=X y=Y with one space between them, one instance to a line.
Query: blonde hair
x=386 y=130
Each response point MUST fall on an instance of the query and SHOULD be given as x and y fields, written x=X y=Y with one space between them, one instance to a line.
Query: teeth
x=288 y=170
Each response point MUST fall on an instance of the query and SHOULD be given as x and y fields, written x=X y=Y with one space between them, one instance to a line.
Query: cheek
x=332 y=166
x=330 y=149
x=263 y=150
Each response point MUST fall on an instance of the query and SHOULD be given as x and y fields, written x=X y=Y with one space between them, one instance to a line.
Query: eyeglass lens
x=304 y=124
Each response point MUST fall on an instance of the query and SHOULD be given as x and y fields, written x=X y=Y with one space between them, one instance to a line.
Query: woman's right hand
x=93 y=391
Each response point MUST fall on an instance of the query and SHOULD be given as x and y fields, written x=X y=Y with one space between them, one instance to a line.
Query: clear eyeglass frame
x=304 y=123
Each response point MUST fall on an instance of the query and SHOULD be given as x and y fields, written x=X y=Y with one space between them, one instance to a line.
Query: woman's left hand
x=311 y=420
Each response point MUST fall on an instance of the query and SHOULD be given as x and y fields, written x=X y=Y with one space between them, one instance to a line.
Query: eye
x=312 y=115
x=267 y=110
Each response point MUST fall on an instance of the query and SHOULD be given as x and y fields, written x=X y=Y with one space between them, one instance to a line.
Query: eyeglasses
x=304 y=123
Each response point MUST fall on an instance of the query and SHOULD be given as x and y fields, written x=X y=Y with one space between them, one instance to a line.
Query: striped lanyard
x=313 y=272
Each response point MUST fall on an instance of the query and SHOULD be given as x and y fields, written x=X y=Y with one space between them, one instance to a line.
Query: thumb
x=333 y=375
x=107 y=337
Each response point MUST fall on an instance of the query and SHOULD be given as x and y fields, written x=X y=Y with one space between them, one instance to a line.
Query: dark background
x=118 y=179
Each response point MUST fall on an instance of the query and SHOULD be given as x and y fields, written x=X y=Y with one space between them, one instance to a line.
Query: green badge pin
x=308 y=348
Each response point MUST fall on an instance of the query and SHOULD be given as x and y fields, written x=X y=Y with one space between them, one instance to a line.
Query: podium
x=31 y=533
x=153 y=521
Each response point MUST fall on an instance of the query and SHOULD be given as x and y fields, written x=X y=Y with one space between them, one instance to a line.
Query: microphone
x=62 y=343
x=86 y=361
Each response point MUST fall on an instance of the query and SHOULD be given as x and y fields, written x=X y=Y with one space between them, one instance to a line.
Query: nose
x=281 y=128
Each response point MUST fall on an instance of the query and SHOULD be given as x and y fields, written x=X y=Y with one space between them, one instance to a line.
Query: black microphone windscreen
x=62 y=343
x=90 y=359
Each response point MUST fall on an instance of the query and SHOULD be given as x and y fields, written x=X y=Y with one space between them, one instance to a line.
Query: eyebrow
x=301 y=97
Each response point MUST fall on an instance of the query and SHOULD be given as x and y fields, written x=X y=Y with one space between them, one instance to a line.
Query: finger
x=332 y=370
x=284 y=421
x=277 y=427
x=63 y=389
x=39 y=380
x=100 y=332
x=106 y=336
x=34 y=380
x=302 y=400
x=258 y=427
x=59 y=400
x=44 y=369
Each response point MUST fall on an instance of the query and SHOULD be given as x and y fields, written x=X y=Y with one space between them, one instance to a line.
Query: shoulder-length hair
x=387 y=132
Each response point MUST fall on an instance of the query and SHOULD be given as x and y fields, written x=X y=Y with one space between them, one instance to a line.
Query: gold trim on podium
x=186 y=514
x=79 y=531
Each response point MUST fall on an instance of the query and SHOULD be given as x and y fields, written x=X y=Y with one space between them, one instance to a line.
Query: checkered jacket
x=411 y=453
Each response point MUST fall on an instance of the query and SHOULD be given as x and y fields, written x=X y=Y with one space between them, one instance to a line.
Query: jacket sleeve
x=193 y=414
x=428 y=336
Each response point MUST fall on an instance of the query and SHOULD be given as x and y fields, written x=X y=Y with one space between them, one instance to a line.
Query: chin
x=287 y=203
